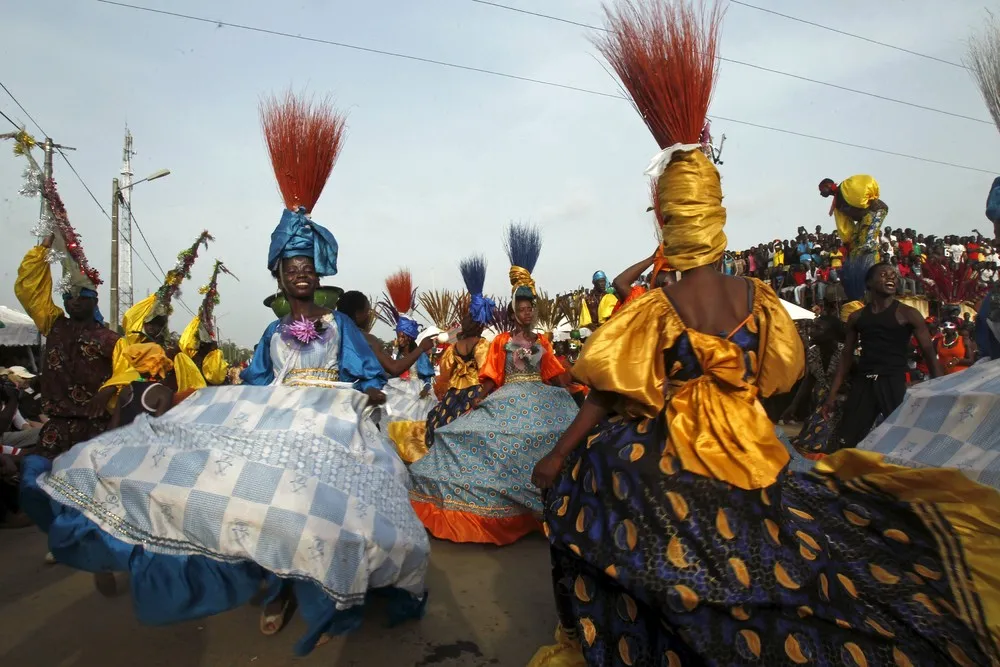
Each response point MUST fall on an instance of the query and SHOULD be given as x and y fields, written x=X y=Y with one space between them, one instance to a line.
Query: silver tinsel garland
x=32 y=186
x=46 y=225
x=64 y=286
x=55 y=256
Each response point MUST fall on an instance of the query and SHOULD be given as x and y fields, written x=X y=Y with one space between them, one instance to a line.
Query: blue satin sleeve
x=261 y=370
x=358 y=363
x=425 y=369
x=985 y=341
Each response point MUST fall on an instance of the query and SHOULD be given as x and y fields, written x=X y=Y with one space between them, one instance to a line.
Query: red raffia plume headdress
x=397 y=303
x=952 y=285
x=663 y=52
x=304 y=139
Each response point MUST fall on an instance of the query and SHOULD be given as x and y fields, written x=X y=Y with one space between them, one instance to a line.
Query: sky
x=439 y=160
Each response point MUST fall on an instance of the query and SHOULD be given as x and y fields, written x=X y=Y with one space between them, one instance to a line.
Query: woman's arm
x=594 y=410
x=396 y=367
x=624 y=280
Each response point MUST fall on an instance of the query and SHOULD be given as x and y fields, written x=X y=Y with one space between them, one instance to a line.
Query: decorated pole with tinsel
x=67 y=247
x=181 y=271
x=206 y=312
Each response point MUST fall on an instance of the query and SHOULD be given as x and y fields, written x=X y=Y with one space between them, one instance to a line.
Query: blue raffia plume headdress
x=523 y=245
x=303 y=140
x=474 y=275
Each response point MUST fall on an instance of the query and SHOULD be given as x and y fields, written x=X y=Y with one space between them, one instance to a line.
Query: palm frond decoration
x=548 y=313
x=439 y=306
x=460 y=306
x=569 y=307
x=952 y=285
x=503 y=317
x=371 y=320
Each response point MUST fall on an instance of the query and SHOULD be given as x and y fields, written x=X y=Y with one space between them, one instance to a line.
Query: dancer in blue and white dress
x=283 y=481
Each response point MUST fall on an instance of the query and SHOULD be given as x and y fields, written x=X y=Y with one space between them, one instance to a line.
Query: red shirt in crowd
x=905 y=271
x=799 y=277
x=823 y=275
x=905 y=248
x=972 y=250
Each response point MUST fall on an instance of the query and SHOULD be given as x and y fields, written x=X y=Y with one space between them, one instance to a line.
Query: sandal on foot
x=271 y=624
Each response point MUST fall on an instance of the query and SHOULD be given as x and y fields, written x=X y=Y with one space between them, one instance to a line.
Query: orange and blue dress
x=475 y=483
x=679 y=536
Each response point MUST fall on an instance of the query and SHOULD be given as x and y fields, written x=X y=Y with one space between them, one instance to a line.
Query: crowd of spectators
x=805 y=270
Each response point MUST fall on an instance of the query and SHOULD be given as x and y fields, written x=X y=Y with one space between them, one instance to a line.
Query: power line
x=849 y=34
x=442 y=63
x=742 y=63
x=96 y=200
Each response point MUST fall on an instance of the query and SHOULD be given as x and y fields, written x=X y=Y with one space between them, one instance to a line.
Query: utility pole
x=125 y=300
x=115 y=194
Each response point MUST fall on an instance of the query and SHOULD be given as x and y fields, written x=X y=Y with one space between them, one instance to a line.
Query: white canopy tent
x=18 y=329
x=797 y=312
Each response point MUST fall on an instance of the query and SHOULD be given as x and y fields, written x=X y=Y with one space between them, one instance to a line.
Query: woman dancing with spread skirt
x=457 y=385
x=408 y=392
x=474 y=485
x=283 y=480
x=678 y=535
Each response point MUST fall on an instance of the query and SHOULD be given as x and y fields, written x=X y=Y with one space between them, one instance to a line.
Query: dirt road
x=487 y=606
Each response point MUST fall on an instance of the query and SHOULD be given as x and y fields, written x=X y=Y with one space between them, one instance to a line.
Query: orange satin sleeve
x=625 y=355
x=780 y=359
x=495 y=364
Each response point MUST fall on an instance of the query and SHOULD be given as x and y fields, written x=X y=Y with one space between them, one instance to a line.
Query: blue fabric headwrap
x=298 y=236
x=599 y=276
x=407 y=327
x=481 y=309
x=90 y=294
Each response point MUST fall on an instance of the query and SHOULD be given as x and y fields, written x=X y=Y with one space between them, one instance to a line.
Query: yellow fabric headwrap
x=690 y=198
x=149 y=360
x=849 y=309
x=135 y=317
x=190 y=341
x=521 y=278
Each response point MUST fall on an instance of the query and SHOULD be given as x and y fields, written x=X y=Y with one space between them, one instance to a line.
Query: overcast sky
x=438 y=160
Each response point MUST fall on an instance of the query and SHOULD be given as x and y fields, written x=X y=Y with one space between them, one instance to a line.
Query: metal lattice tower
x=125 y=296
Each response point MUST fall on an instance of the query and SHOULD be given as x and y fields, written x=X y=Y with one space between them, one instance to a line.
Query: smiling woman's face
x=298 y=277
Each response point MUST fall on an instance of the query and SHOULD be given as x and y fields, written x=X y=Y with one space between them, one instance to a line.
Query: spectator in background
x=906 y=274
x=822 y=281
x=906 y=244
x=920 y=249
x=15 y=431
x=800 y=282
x=955 y=250
x=973 y=249
x=836 y=255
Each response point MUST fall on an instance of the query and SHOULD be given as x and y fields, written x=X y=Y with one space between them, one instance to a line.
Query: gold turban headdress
x=689 y=200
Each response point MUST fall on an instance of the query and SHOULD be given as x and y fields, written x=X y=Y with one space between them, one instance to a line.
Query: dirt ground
x=488 y=606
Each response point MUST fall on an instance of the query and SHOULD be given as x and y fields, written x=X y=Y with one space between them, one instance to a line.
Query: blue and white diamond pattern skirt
x=235 y=486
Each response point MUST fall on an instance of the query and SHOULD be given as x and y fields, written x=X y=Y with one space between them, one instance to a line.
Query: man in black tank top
x=884 y=328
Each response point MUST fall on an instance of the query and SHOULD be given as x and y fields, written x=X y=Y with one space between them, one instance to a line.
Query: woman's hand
x=545 y=472
x=375 y=397
x=426 y=391
x=827 y=408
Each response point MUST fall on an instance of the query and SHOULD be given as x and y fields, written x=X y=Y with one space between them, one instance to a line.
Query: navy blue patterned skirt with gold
x=654 y=565
x=454 y=404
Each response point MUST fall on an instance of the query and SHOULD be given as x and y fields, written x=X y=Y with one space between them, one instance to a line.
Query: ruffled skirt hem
x=170 y=588
x=457 y=526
